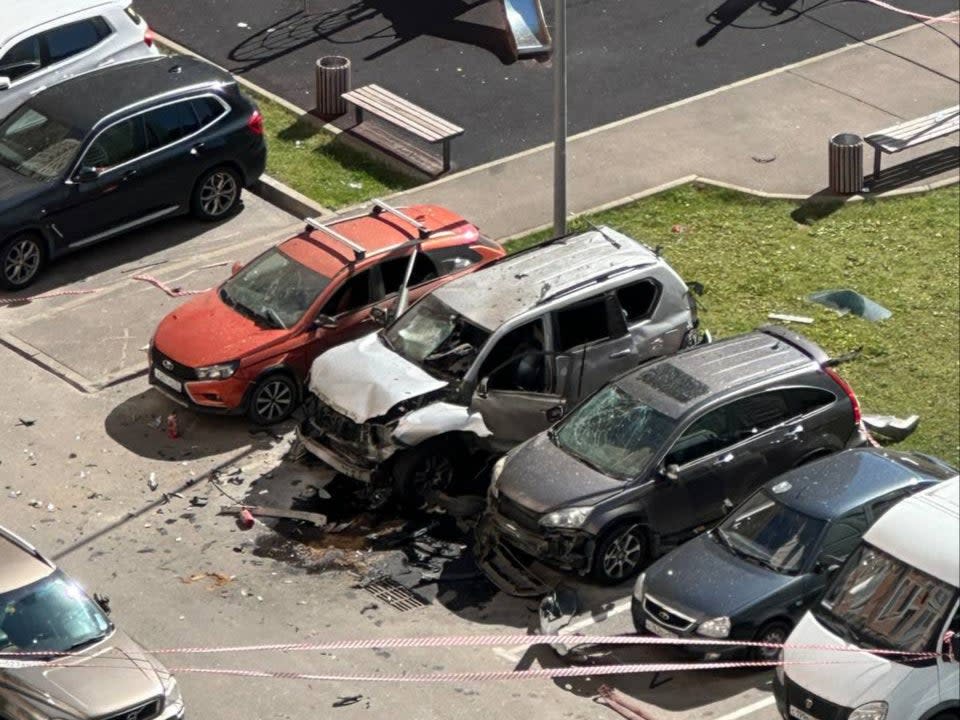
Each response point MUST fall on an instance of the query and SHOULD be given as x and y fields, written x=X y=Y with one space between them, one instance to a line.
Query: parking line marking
x=749 y=709
x=620 y=606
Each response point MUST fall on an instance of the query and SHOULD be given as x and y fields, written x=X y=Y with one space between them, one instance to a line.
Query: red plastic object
x=247 y=519
x=148 y=37
x=173 y=426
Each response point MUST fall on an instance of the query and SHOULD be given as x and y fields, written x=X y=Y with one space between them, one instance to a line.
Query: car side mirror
x=671 y=472
x=827 y=566
x=325 y=321
x=103 y=601
x=483 y=387
x=237 y=267
x=381 y=316
x=87 y=174
x=4 y=83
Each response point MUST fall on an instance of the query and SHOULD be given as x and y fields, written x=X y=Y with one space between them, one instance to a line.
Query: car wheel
x=620 y=554
x=21 y=260
x=273 y=399
x=418 y=472
x=217 y=194
x=773 y=632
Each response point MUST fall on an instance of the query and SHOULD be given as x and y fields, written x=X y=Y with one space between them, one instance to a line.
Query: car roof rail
x=592 y=280
x=25 y=546
x=379 y=208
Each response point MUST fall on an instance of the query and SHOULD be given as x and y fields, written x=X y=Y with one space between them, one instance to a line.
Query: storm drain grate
x=395 y=595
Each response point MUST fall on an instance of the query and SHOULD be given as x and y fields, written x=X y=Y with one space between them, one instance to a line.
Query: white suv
x=42 y=43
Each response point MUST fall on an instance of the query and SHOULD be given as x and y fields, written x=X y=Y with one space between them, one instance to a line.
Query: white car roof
x=17 y=16
x=922 y=531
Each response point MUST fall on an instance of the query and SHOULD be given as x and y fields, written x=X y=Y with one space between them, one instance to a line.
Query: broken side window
x=393 y=272
x=638 y=299
x=452 y=259
x=518 y=361
x=354 y=294
x=582 y=324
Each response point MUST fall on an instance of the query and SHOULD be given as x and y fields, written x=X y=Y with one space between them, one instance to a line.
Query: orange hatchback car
x=247 y=345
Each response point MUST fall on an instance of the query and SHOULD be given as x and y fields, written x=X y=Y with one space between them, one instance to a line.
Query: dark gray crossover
x=660 y=454
x=753 y=575
x=113 y=149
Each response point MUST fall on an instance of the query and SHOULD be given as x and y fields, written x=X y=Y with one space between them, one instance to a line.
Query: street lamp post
x=560 y=120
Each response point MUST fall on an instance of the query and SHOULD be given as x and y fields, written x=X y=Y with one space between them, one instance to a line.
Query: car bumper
x=356 y=469
x=646 y=624
x=225 y=397
x=173 y=712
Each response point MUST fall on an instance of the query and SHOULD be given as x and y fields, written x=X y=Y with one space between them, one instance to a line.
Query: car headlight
x=171 y=692
x=218 y=372
x=871 y=711
x=568 y=518
x=716 y=628
x=495 y=476
x=638 y=588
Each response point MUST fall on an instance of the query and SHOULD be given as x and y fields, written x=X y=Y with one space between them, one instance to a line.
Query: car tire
x=22 y=258
x=216 y=193
x=776 y=631
x=273 y=399
x=620 y=554
x=431 y=467
x=946 y=716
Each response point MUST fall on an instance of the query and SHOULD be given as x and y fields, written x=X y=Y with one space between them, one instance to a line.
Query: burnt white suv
x=93 y=670
x=491 y=359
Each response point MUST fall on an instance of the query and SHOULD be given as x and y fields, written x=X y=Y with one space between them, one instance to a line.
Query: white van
x=897 y=591
x=45 y=41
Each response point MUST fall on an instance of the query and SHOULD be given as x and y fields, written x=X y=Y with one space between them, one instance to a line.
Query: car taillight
x=148 y=37
x=845 y=386
x=255 y=123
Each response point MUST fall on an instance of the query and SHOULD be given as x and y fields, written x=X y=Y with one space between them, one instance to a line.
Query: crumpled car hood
x=83 y=688
x=363 y=379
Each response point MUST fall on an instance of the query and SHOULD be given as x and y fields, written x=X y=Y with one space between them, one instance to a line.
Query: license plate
x=660 y=631
x=170 y=382
x=799 y=714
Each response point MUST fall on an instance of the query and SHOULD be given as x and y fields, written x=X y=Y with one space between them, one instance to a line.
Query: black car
x=116 y=148
x=753 y=575
x=660 y=454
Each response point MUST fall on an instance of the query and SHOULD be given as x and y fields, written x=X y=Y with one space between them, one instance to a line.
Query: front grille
x=814 y=705
x=666 y=616
x=521 y=515
x=337 y=427
x=172 y=367
x=147 y=711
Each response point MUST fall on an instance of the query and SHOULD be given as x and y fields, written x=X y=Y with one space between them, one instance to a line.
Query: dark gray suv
x=660 y=454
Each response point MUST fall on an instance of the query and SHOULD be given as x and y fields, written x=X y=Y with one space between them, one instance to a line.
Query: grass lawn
x=755 y=258
x=307 y=159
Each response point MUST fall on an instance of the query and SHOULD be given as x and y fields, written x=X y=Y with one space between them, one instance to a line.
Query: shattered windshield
x=53 y=615
x=614 y=433
x=880 y=601
x=37 y=146
x=436 y=338
x=274 y=289
x=771 y=533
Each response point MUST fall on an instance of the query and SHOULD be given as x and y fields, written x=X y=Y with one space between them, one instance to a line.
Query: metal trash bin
x=333 y=80
x=846 y=164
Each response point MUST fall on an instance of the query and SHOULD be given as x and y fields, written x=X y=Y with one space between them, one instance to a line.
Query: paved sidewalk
x=768 y=134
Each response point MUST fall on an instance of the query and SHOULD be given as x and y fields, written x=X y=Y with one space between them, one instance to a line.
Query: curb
x=287 y=199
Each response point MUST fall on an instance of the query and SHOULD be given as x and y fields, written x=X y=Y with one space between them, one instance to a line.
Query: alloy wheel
x=21 y=262
x=272 y=402
x=774 y=635
x=434 y=472
x=623 y=555
x=218 y=193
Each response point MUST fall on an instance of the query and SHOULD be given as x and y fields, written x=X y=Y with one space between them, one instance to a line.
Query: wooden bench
x=913 y=132
x=406 y=116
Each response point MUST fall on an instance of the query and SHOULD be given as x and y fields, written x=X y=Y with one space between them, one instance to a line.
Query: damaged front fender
x=438 y=419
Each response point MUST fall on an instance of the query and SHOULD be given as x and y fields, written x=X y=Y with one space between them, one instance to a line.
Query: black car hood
x=703 y=579
x=542 y=477
x=15 y=189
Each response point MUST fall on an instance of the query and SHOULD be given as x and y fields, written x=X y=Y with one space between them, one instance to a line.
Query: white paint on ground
x=749 y=709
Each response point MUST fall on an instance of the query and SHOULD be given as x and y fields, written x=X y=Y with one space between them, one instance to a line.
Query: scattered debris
x=803 y=319
x=850 y=301
x=173 y=426
x=678 y=229
x=310 y=517
x=557 y=609
x=219 y=579
x=763 y=160
x=198 y=501
x=152 y=482
x=890 y=426
x=25 y=422
x=621 y=703
x=345 y=700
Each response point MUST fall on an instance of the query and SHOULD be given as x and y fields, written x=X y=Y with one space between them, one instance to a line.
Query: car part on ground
x=246 y=346
x=771 y=558
x=490 y=359
x=895 y=428
x=42 y=610
x=850 y=301
x=114 y=149
x=660 y=453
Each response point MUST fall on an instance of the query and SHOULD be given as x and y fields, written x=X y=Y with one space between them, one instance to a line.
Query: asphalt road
x=452 y=56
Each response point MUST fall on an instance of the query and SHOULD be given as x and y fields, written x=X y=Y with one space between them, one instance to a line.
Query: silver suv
x=42 y=43
x=491 y=359
x=44 y=611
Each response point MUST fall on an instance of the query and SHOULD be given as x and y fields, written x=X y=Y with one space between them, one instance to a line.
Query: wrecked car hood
x=79 y=688
x=363 y=379
x=542 y=477
x=205 y=331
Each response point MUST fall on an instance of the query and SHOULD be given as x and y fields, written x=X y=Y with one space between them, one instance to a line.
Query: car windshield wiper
x=271 y=314
x=740 y=552
x=85 y=643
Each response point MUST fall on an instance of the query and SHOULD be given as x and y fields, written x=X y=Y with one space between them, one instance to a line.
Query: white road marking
x=749 y=709
x=620 y=606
